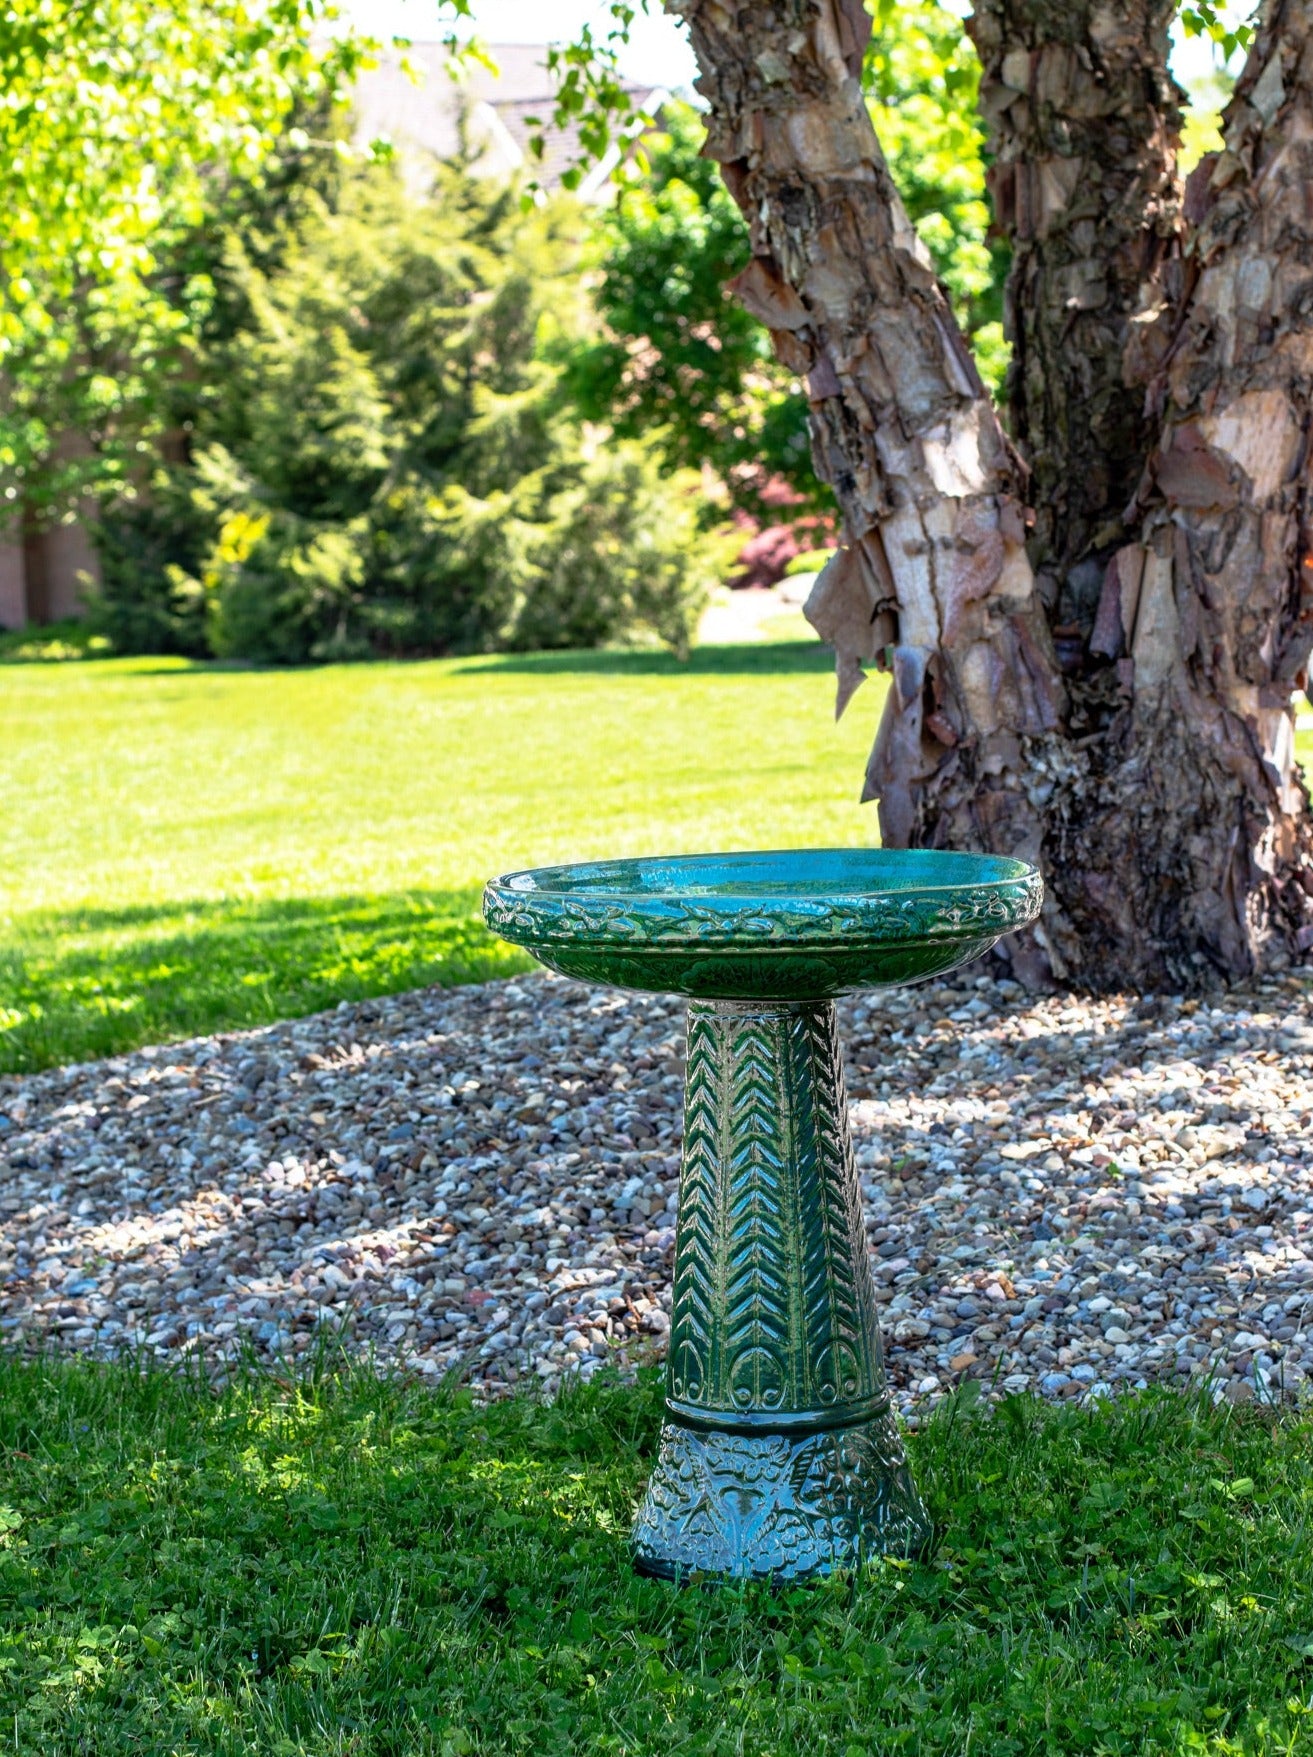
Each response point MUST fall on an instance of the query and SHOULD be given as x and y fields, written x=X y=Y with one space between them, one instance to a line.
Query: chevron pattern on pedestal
x=773 y=1314
x=697 y=1248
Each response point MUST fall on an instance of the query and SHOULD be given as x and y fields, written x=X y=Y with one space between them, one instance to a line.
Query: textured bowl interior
x=800 y=872
x=798 y=924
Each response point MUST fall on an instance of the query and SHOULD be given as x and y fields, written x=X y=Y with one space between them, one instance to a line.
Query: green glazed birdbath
x=779 y=1456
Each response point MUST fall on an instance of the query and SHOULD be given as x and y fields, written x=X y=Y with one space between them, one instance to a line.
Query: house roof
x=424 y=118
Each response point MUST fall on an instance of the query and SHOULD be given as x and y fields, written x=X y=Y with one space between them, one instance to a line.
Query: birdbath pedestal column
x=780 y=1456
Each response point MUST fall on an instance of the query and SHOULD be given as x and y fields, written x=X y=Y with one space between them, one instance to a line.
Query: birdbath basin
x=779 y=1456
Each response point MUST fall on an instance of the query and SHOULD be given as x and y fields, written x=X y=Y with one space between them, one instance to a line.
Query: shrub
x=385 y=462
x=151 y=549
x=612 y=547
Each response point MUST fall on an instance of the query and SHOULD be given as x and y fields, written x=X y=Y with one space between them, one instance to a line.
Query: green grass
x=188 y=848
x=364 y=1566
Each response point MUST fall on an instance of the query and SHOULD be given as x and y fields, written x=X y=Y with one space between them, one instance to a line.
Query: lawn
x=364 y=1566
x=354 y=1565
x=186 y=848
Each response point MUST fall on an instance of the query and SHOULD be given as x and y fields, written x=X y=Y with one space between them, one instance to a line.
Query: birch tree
x=1095 y=601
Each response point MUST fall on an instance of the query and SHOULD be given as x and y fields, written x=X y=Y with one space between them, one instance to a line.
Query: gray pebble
x=1058 y=1196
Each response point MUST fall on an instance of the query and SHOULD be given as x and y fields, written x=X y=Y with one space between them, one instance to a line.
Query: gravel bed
x=1062 y=1195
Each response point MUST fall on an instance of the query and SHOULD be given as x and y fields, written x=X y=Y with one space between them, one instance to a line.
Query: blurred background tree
x=680 y=357
x=120 y=124
x=381 y=457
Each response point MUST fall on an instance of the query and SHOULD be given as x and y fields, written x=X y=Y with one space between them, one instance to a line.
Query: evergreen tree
x=384 y=460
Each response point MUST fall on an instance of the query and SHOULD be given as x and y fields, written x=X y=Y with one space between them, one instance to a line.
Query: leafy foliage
x=1203 y=18
x=681 y=356
x=922 y=79
x=590 y=91
x=325 y=1561
x=383 y=462
x=113 y=119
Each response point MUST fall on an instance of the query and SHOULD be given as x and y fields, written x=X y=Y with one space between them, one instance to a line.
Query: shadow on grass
x=94 y=982
x=760 y=658
x=333 y=1561
x=70 y=641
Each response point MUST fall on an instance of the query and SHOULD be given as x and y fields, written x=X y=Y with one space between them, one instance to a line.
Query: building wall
x=43 y=577
x=13 y=588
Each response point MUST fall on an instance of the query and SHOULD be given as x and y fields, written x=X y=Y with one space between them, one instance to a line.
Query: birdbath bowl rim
x=782 y=924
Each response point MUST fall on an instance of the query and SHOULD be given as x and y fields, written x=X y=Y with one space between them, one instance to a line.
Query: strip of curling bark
x=934 y=580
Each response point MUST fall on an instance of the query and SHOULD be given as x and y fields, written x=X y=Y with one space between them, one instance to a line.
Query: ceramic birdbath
x=779 y=1456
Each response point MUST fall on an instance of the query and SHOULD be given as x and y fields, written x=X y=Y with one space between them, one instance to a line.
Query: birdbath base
x=780 y=1457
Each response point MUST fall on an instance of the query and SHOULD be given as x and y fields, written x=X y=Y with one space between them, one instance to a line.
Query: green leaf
x=316 y=1663
x=119 y=121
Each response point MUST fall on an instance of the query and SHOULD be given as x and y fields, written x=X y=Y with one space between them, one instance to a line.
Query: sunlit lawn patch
x=365 y=1566
x=189 y=848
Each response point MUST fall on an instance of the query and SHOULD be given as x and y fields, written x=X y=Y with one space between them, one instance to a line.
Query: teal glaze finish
x=806 y=925
x=780 y=1457
x=773 y=1315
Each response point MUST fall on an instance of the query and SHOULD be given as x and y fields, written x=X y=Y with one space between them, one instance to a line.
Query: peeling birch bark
x=933 y=583
x=1166 y=568
x=1083 y=120
x=1218 y=633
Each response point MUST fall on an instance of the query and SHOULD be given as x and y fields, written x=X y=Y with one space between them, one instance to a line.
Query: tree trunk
x=1083 y=119
x=1152 y=783
x=1213 y=604
x=934 y=583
